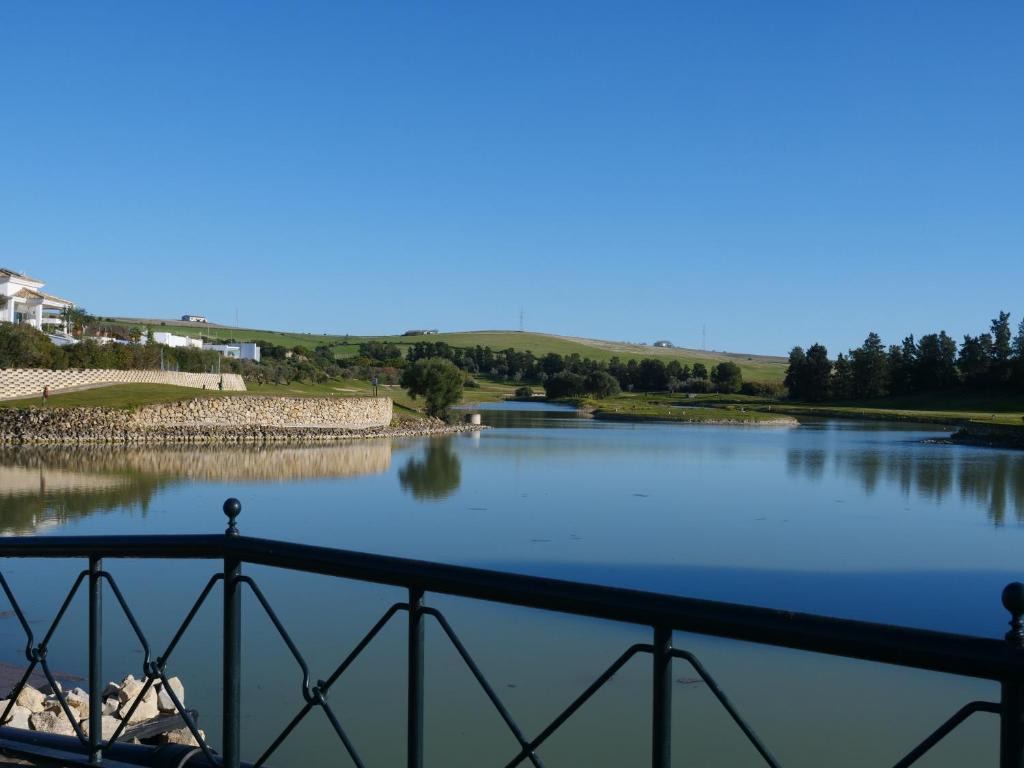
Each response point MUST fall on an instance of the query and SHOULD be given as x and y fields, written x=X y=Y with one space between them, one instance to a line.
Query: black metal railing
x=1001 y=661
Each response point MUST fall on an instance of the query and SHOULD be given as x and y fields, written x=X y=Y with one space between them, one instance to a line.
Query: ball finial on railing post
x=1013 y=601
x=232 y=508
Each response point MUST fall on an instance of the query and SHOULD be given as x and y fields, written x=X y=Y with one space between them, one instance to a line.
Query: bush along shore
x=155 y=718
x=111 y=425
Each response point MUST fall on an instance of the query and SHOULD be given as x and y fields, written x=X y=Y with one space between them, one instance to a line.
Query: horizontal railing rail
x=1000 y=660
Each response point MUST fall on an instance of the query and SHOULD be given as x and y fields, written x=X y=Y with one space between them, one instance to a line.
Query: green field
x=650 y=407
x=135 y=395
x=755 y=367
x=948 y=408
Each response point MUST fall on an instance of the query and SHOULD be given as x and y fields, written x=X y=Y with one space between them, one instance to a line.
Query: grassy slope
x=134 y=395
x=755 y=367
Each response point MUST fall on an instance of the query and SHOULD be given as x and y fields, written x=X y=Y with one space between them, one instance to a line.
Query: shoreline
x=213 y=434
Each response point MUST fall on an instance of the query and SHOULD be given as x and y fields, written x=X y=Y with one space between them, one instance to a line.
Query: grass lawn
x=942 y=407
x=665 y=407
x=754 y=367
x=135 y=395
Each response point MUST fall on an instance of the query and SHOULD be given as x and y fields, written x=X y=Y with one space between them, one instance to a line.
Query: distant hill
x=755 y=367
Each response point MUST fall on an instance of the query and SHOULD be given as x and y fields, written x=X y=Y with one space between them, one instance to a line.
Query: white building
x=240 y=350
x=194 y=319
x=171 y=340
x=26 y=303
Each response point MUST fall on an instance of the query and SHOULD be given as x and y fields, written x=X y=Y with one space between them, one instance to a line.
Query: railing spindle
x=1011 y=705
x=661 y=727
x=414 y=743
x=232 y=646
x=95 y=661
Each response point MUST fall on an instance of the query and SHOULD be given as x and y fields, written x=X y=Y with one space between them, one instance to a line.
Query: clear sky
x=783 y=172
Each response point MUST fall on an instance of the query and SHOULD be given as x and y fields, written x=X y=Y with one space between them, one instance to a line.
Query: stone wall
x=29 y=382
x=237 y=418
x=262 y=411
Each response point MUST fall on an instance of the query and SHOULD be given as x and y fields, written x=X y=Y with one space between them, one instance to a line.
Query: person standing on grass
x=46 y=394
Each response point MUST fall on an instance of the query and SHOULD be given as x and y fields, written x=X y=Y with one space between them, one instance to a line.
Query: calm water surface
x=860 y=520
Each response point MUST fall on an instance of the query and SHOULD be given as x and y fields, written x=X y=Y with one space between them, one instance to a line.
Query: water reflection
x=434 y=476
x=990 y=479
x=45 y=486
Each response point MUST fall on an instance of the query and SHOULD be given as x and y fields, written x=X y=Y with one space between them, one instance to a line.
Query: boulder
x=164 y=701
x=108 y=726
x=110 y=706
x=182 y=736
x=31 y=699
x=129 y=689
x=146 y=710
x=52 y=722
x=18 y=717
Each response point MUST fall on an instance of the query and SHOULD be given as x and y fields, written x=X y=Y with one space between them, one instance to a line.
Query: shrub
x=524 y=391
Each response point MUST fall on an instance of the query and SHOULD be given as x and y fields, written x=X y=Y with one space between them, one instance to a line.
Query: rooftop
x=4 y=272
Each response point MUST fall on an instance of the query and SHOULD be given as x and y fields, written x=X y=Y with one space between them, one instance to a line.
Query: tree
x=601 y=384
x=870 y=374
x=796 y=373
x=842 y=378
x=700 y=372
x=727 y=377
x=975 y=359
x=1002 y=348
x=75 y=319
x=817 y=373
x=565 y=384
x=435 y=379
x=902 y=364
x=936 y=363
x=651 y=376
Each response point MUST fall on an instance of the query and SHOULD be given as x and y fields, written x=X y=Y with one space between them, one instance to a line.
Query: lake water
x=861 y=520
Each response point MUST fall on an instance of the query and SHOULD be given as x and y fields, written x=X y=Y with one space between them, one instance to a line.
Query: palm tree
x=75 y=320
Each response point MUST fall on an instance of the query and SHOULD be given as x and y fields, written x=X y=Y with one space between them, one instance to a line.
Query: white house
x=240 y=350
x=194 y=319
x=24 y=302
x=172 y=340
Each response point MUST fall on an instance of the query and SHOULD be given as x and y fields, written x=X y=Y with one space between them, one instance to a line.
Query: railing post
x=232 y=646
x=95 y=661
x=661 y=727
x=414 y=737
x=1011 y=716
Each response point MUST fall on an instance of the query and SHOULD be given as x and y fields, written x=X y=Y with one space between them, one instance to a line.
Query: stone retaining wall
x=240 y=418
x=29 y=382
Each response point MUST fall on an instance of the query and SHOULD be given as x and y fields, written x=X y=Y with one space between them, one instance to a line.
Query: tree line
x=988 y=361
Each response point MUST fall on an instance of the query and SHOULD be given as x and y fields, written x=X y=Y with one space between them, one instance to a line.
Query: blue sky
x=781 y=172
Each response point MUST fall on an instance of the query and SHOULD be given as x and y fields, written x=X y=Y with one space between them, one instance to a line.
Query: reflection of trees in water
x=435 y=476
x=990 y=479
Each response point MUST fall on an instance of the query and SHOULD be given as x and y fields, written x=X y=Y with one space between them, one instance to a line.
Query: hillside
x=755 y=367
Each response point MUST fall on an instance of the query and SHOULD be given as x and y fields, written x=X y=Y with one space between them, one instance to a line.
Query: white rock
x=78 y=700
x=182 y=736
x=164 y=701
x=145 y=711
x=108 y=725
x=110 y=706
x=52 y=722
x=18 y=717
x=129 y=689
x=31 y=699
